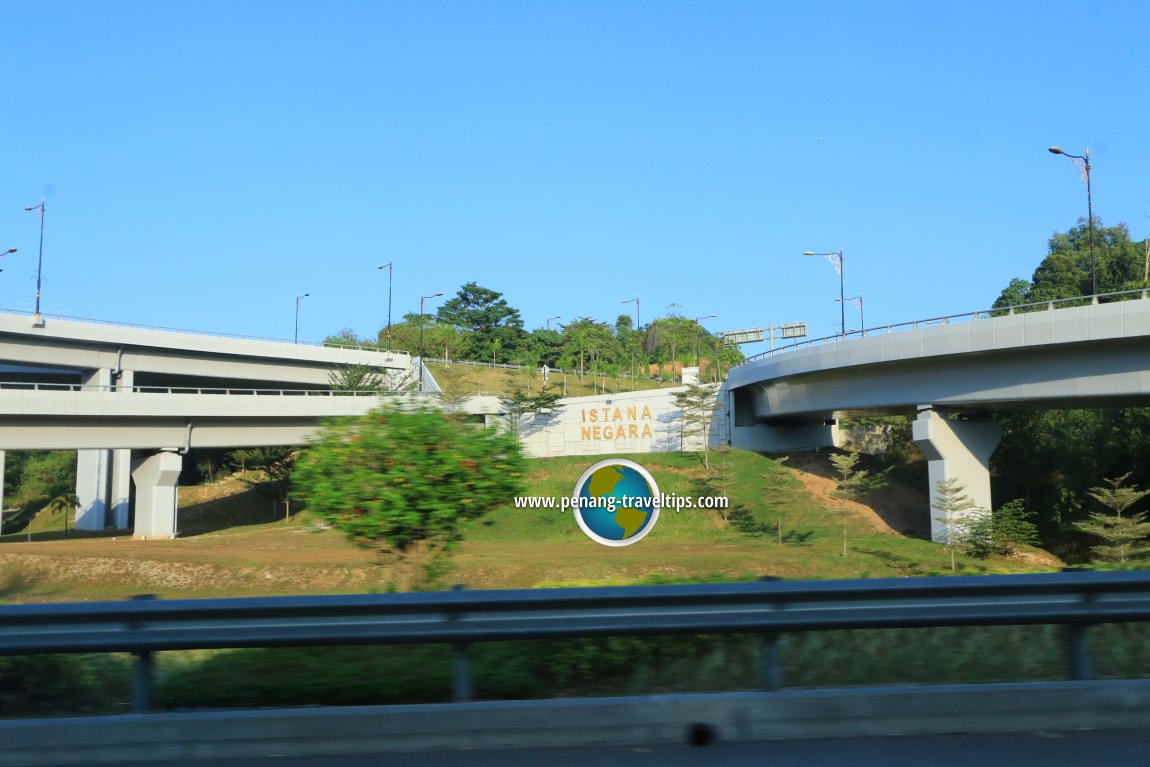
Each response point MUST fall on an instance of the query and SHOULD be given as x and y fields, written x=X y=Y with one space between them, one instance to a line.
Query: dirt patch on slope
x=899 y=507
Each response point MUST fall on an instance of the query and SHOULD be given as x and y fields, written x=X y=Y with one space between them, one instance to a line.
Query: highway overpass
x=107 y=389
x=953 y=373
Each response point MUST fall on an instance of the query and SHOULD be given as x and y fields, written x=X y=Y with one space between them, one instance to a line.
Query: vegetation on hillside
x=479 y=325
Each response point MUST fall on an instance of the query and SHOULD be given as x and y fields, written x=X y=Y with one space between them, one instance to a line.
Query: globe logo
x=616 y=502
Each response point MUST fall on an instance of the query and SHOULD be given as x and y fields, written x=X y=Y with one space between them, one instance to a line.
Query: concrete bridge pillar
x=104 y=477
x=156 y=479
x=956 y=450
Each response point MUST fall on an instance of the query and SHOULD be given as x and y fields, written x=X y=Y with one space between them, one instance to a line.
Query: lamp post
x=635 y=301
x=422 y=308
x=836 y=259
x=297 y=300
x=858 y=302
x=40 y=258
x=6 y=252
x=387 y=266
x=557 y=316
x=1082 y=162
x=698 y=327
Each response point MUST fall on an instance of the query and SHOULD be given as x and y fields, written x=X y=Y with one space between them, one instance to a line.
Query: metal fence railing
x=1075 y=600
x=1003 y=311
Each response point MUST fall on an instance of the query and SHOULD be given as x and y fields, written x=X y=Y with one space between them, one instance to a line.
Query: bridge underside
x=954 y=399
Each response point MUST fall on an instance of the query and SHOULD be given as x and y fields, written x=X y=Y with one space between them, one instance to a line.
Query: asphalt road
x=1125 y=748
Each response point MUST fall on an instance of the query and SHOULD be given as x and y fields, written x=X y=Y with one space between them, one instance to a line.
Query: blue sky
x=205 y=162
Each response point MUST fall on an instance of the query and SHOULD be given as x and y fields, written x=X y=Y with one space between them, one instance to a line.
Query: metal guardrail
x=1002 y=311
x=1074 y=600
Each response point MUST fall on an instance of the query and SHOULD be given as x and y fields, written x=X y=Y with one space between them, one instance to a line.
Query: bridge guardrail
x=1002 y=311
x=1074 y=600
x=233 y=390
x=216 y=334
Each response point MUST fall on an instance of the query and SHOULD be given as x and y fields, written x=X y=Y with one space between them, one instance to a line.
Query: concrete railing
x=1074 y=600
x=189 y=331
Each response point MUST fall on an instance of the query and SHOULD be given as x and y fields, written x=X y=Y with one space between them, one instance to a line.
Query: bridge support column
x=103 y=477
x=956 y=450
x=156 y=479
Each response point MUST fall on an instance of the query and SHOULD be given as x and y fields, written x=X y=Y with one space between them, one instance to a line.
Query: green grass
x=481 y=379
x=700 y=543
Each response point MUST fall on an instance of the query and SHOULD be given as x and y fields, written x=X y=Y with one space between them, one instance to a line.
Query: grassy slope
x=235 y=546
x=475 y=379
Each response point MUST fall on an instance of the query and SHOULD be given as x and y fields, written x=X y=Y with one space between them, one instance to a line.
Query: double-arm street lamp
x=635 y=301
x=387 y=266
x=1082 y=162
x=40 y=258
x=297 y=300
x=422 y=309
x=836 y=259
x=698 y=328
x=858 y=302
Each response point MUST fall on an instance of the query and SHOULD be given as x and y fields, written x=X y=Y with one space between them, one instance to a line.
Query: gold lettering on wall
x=627 y=422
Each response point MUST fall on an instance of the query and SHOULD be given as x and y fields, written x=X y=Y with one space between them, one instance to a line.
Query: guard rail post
x=770 y=668
x=461 y=676
x=142 y=671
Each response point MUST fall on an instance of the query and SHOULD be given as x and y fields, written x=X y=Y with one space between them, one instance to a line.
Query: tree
x=403 y=481
x=1050 y=459
x=853 y=483
x=356 y=378
x=518 y=401
x=493 y=325
x=957 y=513
x=67 y=503
x=275 y=466
x=1123 y=535
x=1002 y=531
x=697 y=404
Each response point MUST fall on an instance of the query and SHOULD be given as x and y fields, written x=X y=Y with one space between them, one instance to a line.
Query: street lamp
x=858 y=302
x=297 y=300
x=6 y=252
x=698 y=327
x=635 y=301
x=1082 y=162
x=40 y=258
x=387 y=266
x=422 y=307
x=557 y=316
x=836 y=259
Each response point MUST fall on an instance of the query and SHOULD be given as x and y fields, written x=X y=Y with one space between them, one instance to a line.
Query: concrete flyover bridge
x=952 y=373
x=107 y=389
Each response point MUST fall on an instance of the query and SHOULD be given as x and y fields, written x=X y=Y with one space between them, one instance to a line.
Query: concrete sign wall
x=632 y=422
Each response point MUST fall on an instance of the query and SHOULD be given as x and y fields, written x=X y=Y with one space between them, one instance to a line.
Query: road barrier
x=1075 y=600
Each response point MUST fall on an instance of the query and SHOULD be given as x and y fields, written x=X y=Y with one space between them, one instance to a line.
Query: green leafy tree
x=274 y=466
x=404 y=480
x=1050 y=459
x=956 y=511
x=1123 y=533
x=519 y=401
x=490 y=322
x=853 y=483
x=697 y=404
x=1003 y=531
x=357 y=378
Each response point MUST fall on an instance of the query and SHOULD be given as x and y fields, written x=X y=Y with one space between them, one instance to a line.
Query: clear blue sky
x=205 y=162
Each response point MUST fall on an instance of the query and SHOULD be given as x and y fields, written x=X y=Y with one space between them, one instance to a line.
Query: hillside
x=235 y=543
